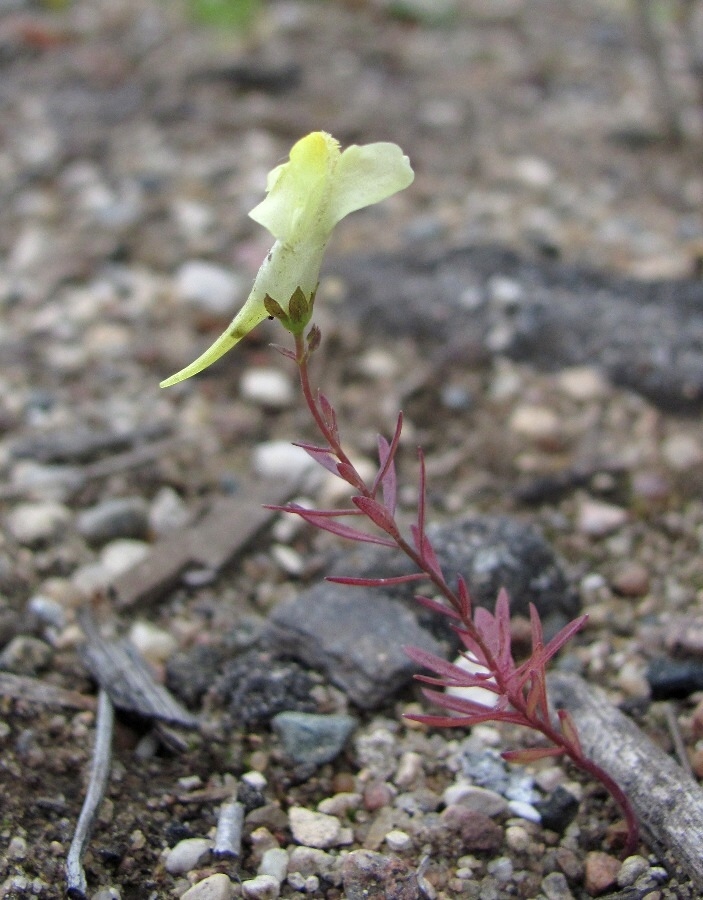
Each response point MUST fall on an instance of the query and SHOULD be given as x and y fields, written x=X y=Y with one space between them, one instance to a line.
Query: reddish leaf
x=451 y=673
x=419 y=530
x=347 y=472
x=477 y=712
x=328 y=415
x=375 y=582
x=321 y=455
x=437 y=605
x=531 y=754
x=568 y=729
x=378 y=514
x=386 y=477
x=503 y=636
x=562 y=637
x=464 y=598
x=326 y=523
x=284 y=351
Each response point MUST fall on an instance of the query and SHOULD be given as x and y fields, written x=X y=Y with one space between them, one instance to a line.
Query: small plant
x=306 y=197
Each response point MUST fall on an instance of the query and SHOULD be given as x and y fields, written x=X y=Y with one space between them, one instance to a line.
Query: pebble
x=517 y=838
x=155 y=644
x=270 y=388
x=17 y=847
x=477 y=831
x=311 y=861
x=281 y=459
x=537 y=423
x=631 y=580
x=398 y=841
x=340 y=804
x=274 y=862
x=473 y=797
x=631 y=869
x=186 y=855
x=524 y=811
x=681 y=452
x=214 y=887
x=601 y=872
x=363 y=871
x=305 y=885
x=168 y=512
x=36 y=523
x=25 y=655
x=410 y=767
x=555 y=887
x=558 y=809
x=582 y=383
x=597 y=519
x=121 y=517
x=120 y=555
x=263 y=887
x=207 y=287
x=314 y=829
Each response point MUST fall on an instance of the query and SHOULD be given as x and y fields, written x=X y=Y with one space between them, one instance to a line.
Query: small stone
x=472 y=796
x=207 y=287
x=311 y=738
x=409 y=769
x=309 y=861
x=583 y=383
x=555 y=887
x=274 y=862
x=558 y=810
x=263 y=887
x=25 y=655
x=501 y=869
x=476 y=830
x=398 y=841
x=371 y=876
x=601 y=872
x=631 y=580
x=155 y=644
x=123 y=517
x=281 y=459
x=533 y=172
x=187 y=855
x=35 y=523
x=378 y=794
x=682 y=452
x=120 y=555
x=340 y=805
x=270 y=388
x=214 y=887
x=314 y=829
x=674 y=679
x=517 y=838
x=537 y=423
x=168 y=512
x=524 y=810
x=631 y=869
x=17 y=848
x=597 y=519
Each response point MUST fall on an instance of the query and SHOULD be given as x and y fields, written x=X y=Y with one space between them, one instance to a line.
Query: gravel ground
x=134 y=143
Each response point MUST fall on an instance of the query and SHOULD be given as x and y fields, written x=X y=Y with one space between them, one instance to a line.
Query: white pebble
x=263 y=887
x=186 y=855
x=314 y=829
x=281 y=459
x=267 y=387
x=214 y=887
x=583 y=383
x=597 y=519
x=682 y=451
x=167 y=512
x=255 y=780
x=537 y=423
x=154 y=644
x=207 y=286
x=33 y=523
x=120 y=555
x=274 y=862
x=524 y=810
x=291 y=562
x=398 y=841
x=409 y=769
x=477 y=798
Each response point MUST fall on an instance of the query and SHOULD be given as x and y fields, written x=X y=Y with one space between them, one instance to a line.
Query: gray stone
x=36 y=523
x=186 y=855
x=274 y=862
x=367 y=875
x=310 y=738
x=25 y=656
x=314 y=829
x=208 y=287
x=120 y=517
x=555 y=887
x=263 y=887
x=214 y=887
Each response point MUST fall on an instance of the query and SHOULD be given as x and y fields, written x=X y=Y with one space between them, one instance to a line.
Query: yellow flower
x=306 y=197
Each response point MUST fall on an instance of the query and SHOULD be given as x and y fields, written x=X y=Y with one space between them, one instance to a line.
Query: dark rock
x=312 y=739
x=120 y=517
x=256 y=686
x=190 y=673
x=558 y=810
x=356 y=635
x=250 y=797
x=647 y=336
x=366 y=875
x=672 y=679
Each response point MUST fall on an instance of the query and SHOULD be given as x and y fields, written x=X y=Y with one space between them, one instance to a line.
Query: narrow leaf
x=329 y=415
x=449 y=671
x=326 y=523
x=464 y=598
x=568 y=729
x=562 y=637
x=386 y=474
x=475 y=711
x=376 y=582
x=348 y=473
x=503 y=636
x=421 y=503
x=378 y=514
x=531 y=754
x=436 y=605
x=322 y=456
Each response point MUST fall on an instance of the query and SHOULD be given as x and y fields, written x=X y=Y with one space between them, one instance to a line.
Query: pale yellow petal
x=367 y=175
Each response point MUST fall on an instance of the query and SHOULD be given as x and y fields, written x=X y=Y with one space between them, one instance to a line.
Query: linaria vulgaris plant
x=306 y=197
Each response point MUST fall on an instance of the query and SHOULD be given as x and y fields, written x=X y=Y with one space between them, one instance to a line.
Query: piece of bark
x=119 y=669
x=212 y=542
x=668 y=804
x=34 y=690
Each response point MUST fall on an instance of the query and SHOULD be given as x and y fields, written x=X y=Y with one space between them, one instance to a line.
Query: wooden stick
x=76 y=885
x=668 y=804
